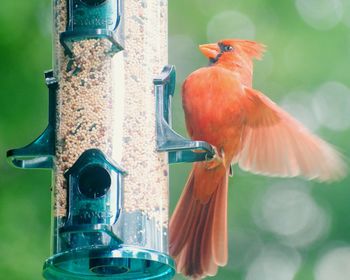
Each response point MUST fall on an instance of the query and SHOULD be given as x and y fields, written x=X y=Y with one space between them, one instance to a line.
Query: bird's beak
x=210 y=50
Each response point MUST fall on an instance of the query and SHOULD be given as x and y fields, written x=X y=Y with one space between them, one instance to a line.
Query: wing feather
x=275 y=144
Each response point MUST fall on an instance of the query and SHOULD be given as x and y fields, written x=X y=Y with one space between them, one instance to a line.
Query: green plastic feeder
x=109 y=141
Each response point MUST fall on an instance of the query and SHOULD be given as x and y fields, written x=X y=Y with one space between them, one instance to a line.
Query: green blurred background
x=279 y=229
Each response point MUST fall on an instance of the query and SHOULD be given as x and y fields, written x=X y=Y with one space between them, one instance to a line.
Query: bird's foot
x=217 y=160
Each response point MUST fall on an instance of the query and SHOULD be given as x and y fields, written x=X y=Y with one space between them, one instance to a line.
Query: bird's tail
x=198 y=228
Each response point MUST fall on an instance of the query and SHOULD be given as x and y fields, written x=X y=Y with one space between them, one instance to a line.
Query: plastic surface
x=95 y=185
x=180 y=149
x=39 y=153
x=93 y=19
x=119 y=262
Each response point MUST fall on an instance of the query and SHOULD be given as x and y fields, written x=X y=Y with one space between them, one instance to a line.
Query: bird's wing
x=275 y=144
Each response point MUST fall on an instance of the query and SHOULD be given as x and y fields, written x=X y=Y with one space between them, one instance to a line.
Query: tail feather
x=182 y=223
x=198 y=231
x=220 y=226
x=195 y=250
x=207 y=255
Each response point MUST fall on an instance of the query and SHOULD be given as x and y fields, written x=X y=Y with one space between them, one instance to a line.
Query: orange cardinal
x=246 y=128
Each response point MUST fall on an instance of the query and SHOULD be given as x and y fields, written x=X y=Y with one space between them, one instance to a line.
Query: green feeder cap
x=93 y=19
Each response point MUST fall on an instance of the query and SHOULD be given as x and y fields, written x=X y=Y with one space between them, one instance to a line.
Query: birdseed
x=107 y=102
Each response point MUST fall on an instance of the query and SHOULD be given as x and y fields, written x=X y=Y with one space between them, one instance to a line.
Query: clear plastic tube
x=146 y=186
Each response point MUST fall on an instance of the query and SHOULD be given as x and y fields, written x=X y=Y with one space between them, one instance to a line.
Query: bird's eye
x=227 y=48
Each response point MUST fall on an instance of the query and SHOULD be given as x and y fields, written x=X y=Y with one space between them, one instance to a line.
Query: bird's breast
x=211 y=101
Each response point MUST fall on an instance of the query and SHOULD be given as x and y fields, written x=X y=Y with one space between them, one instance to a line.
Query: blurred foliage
x=300 y=58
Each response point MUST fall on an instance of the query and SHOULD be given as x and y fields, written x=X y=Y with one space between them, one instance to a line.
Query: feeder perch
x=39 y=153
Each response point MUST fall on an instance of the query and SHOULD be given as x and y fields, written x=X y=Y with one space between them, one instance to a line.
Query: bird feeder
x=108 y=140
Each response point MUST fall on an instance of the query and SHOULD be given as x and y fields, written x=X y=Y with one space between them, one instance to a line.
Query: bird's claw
x=217 y=160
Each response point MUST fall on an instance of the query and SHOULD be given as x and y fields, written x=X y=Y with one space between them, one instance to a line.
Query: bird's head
x=233 y=51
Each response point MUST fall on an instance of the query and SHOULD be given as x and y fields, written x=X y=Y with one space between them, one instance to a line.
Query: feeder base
x=123 y=262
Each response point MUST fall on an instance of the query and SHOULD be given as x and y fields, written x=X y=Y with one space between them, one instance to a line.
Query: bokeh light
x=274 y=263
x=320 y=14
x=334 y=265
x=297 y=103
x=210 y=7
x=230 y=24
x=331 y=105
x=346 y=14
x=245 y=244
x=289 y=211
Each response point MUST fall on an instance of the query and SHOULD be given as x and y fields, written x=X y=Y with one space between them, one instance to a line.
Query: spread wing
x=275 y=144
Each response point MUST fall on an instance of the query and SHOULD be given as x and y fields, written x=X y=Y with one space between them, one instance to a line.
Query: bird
x=245 y=128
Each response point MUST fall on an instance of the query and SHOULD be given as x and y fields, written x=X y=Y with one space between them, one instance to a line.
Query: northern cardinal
x=246 y=128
